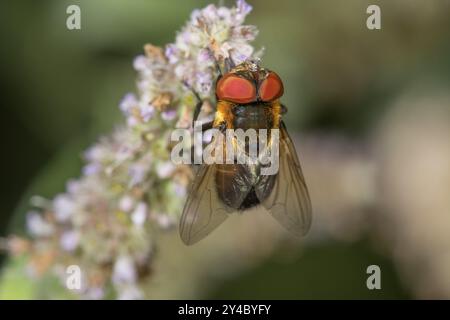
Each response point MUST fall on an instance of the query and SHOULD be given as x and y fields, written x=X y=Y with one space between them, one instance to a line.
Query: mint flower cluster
x=106 y=221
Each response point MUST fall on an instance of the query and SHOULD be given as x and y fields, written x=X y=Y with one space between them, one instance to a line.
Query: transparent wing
x=217 y=191
x=289 y=201
x=203 y=211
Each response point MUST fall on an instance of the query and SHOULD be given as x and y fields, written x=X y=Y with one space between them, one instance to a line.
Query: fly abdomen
x=234 y=182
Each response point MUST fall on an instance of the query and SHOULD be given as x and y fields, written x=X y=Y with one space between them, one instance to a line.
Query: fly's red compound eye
x=235 y=89
x=271 y=88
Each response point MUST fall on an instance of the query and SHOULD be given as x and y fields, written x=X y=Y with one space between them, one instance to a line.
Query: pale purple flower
x=128 y=102
x=172 y=53
x=134 y=158
x=244 y=53
x=91 y=169
x=204 y=81
x=180 y=190
x=224 y=13
x=243 y=9
x=124 y=270
x=204 y=55
x=239 y=57
x=165 y=169
x=195 y=15
x=169 y=115
x=69 y=240
x=147 y=112
x=137 y=172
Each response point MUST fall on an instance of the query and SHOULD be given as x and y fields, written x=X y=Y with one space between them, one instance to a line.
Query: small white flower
x=124 y=271
x=126 y=203
x=180 y=70
x=37 y=226
x=140 y=63
x=64 y=207
x=95 y=153
x=69 y=240
x=126 y=156
x=73 y=186
x=139 y=214
x=122 y=154
x=210 y=12
x=165 y=169
x=165 y=221
x=95 y=293
x=130 y=292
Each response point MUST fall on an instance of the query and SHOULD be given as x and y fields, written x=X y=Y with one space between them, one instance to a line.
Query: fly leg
x=229 y=64
x=283 y=111
x=198 y=105
x=206 y=126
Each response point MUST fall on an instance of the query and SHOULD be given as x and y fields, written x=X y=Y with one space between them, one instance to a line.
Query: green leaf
x=14 y=283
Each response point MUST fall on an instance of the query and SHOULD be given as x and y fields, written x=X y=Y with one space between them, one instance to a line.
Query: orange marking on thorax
x=276 y=113
x=223 y=114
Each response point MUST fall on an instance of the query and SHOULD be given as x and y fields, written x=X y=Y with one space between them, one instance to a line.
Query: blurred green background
x=60 y=90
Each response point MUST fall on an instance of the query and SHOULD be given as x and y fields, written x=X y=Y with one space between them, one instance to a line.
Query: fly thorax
x=252 y=116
